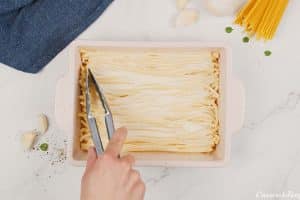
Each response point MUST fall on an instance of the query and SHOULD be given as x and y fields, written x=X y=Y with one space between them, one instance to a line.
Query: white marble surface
x=265 y=153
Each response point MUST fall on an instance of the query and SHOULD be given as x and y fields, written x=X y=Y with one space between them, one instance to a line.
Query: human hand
x=108 y=177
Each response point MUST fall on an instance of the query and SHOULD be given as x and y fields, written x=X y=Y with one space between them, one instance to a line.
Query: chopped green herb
x=246 y=39
x=268 y=53
x=44 y=147
x=228 y=29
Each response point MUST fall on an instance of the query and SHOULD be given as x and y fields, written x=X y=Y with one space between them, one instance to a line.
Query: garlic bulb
x=223 y=7
x=187 y=17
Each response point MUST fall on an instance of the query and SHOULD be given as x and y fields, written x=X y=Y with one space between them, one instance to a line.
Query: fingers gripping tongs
x=90 y=79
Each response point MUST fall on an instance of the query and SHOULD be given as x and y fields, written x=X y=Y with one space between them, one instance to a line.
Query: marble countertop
x=265 y=154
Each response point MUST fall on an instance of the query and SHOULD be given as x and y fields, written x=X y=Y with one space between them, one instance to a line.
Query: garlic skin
x=28 y=139
x=187 y=17
x=43 y=123
x=181 y=4
x=223 y=7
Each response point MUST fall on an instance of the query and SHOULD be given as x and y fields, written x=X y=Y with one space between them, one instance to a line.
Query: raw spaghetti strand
x=261 y=17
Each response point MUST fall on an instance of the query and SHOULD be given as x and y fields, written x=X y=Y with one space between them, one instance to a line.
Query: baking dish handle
x=236 y=106
x=62 y=107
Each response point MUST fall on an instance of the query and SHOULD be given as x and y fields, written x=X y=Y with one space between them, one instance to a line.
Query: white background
x=265 y=153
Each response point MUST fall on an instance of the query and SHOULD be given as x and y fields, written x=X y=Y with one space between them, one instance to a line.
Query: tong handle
x=109 y=126
x=96 y=137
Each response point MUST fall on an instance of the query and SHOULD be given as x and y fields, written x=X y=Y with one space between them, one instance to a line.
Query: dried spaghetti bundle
x=261 y=17
x=168 y=100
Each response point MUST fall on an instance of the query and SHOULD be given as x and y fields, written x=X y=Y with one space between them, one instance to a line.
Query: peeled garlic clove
x=223 y=7
x=28 y=139
x=43 y=123
x=181 y=4
x=187 y=17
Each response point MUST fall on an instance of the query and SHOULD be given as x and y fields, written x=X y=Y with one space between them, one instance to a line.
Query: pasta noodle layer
x=168 y=99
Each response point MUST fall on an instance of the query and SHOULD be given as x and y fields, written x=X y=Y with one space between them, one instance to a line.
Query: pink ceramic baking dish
x=231 y=110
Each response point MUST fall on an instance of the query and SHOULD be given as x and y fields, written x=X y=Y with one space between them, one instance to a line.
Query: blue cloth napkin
x=33 y=32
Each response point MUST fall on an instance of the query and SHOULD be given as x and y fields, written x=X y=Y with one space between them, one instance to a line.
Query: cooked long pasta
x=261 y=17
x=167 y=99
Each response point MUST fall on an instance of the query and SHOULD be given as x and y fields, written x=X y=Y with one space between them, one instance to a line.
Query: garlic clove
x=181 y=4
x=43 y=123
x=223 y=7
x=28 y=139
x=187 y=17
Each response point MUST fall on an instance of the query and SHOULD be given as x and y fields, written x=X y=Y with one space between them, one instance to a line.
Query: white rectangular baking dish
x=231 y=107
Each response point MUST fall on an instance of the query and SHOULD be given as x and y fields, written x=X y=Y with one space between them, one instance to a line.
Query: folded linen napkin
x=33 y=32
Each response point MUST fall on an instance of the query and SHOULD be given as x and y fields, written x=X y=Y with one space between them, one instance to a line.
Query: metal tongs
x=109 y=123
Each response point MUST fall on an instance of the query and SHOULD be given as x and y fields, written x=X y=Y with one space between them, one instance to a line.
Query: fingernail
x=91 y=149
x=123 y=128
x=123 y=131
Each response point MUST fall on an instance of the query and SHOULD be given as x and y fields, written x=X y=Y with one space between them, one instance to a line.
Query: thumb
x=92 y=156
